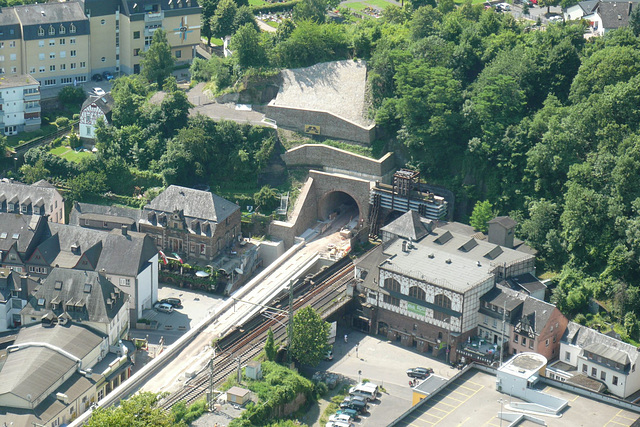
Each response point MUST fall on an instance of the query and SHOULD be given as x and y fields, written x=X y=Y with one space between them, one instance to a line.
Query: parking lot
x=195 y=307
x=385 y=364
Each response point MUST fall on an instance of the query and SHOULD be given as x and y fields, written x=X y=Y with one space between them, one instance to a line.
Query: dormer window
x=52 y=31
x=72 y=29
x=62 y=29
x=24 y=209
x=41 y=32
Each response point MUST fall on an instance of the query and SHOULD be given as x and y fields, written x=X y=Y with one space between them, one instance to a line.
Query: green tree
x=3 y=147
x=634 y=21
x=87 y=186
x=247 y=47
x=62 y=122
x=310 y=335
x=270 y=347
x=482 y=213
x=157 y=62
x=631 y=325
x=222 y=22
x=267 y=199
x=34 y=173
x=208 y=10
x=140 y=410
x=72 y=95
x=74 y=140
x=312 y=10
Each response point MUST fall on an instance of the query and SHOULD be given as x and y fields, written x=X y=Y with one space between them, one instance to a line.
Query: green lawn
x=257 y=2
x=272 y=24
x=69 y=154
x=357 y=6
x=380 y=4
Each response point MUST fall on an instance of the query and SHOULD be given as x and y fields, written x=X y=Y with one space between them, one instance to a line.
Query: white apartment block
x=19 y=102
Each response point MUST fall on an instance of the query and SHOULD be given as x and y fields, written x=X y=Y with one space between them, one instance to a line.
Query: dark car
x=420 y=373
x=174 y=302
x=107 y=75
x=355 y=403
x=350 y=412
x=96 y=78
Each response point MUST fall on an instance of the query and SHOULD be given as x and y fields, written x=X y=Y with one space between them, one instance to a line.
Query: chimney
x=103 y=272
x=404 y=246
x=125 y=230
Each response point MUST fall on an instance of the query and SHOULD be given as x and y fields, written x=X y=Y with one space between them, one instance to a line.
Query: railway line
x=245 y=341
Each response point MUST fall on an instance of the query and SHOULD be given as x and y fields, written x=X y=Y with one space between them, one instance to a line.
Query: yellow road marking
x=611 y=421
x=469 y=397
x=627 y=418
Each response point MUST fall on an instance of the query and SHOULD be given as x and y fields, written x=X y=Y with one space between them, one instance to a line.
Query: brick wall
x=549 y=332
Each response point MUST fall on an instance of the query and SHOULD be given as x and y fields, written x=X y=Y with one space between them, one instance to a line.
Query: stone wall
x=329 y=125
x=332 y=159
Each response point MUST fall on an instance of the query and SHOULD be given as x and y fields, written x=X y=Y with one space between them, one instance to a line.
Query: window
x=72 y=65
x=391 y=300
x=136 y=52
x=103 y=59
x=515 y=339
x=63 y=54
x=125 y=282
x=14 y=70
x=554 y=338
x=41 y=43
x=12 y=43
x=63 y=66
x=72 y=40
x=524 y=341
x=102 y=22
x=603 y=375
x=584 y=368
x=41 y=56
x=12 y=57
x=567 y=356
x=486 y=319
x=80 y=79
x=203 y=249
x=41 y=32
x=495 y=323
x=62 y=30
x=52 y=31
x=1 y=45
x=62 y=41
x=50 y=82
x=418 y=293
x=52 y=67
x=136 y=34
x=72 y=53
x=530 y=343
x=72 y=29
x=66 y=80
x=1 y=58
x=147 y=40
x=178 y=54
x=83 y=65
x=1 y=70
x=32 y=70
x=52 y=55
x=41 y=70
x=52 y=42
x=594 y=372
x=615 y=380
x=392 y=285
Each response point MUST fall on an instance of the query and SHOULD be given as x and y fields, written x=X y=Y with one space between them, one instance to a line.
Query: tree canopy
x=310 y=334
x=157 y=62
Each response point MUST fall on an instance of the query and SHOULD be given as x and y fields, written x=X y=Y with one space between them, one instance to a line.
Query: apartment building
x=19 y=102
x=121 y=30
x=50 y=41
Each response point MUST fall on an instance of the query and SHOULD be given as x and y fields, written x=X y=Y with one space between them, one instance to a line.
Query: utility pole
x=210 y=400
x=504 y=314
x=290 y=324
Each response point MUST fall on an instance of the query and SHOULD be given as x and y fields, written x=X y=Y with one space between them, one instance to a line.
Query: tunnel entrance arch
x=338 y=203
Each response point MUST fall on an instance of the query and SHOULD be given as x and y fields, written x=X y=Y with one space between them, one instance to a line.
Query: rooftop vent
x=431 y=256
x=448 y=261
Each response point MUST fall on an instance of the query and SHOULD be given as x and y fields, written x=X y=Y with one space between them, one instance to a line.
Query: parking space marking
x=626 y=424
x=458 y=392
x=622 y=416
x=449 y=397
x=441 y=410
x=445 y=404
x=461 y=402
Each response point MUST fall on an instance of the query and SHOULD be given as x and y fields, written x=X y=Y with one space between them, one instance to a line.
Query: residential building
x=92 y=110
x=40 y=199
x=605 y=360
x=19 y=100
x=580 y=9
x=54 y=372
x=197 y=225
x=609 y=15
x=423 y=285
x=530 y=324
x=128 y=259
x=49 y=41
x=101 y=217
x=121 y=30
x=15 y=289
x=84 y=296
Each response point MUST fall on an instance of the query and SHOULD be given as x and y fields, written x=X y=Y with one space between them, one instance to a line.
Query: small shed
x=253 y=370
x=238 y=395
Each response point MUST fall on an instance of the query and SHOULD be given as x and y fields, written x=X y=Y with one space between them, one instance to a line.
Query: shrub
x=62 y=122
x=274 y=7
x=71 y=95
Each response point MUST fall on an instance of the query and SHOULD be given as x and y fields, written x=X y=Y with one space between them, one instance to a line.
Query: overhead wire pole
x=290 y=328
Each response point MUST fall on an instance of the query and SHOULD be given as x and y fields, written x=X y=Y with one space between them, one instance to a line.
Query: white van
x=369 y=392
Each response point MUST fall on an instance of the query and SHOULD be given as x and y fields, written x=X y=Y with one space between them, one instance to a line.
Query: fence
x=41 y=140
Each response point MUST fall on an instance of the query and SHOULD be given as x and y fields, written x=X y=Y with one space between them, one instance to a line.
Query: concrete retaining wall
x=335 y=160
x=329 y=125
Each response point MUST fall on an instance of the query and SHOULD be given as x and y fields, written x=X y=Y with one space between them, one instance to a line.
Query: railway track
x=246 y=341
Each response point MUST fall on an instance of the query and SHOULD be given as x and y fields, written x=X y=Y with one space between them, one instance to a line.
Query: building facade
x=92 y=110
x=38 y=199
x=19 y=102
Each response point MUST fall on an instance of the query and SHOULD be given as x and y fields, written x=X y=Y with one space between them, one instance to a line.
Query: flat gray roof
x=18 y=80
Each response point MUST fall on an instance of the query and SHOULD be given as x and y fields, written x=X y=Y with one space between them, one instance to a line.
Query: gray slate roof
x=615 y=14
x=196 y=204
x=537 y=312
x=505 y=221
x=33 y=370
x=600 y=344
x=16 y=228
x=504 y=297
x=53 y=13
x=527 y=282
x=12 y=281
x=11 y=189
x=100 y=298
x=104 y=102
x=105 y=213
x=408 y=226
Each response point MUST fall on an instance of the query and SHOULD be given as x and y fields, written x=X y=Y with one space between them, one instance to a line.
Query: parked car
x=355 y=402
x=350 y=412
x=338 y=424
x=527 y=2
x=173 y=302
x=420 y=373
x=340 y=417
x=555 y=18
x=163 y=307
x=96 y=78
x=98 y=91
x=107 y=75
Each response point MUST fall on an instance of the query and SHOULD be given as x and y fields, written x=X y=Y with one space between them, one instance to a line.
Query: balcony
x=34 y=109
x=34 y=96
x=153 y=16
x=33 y=121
